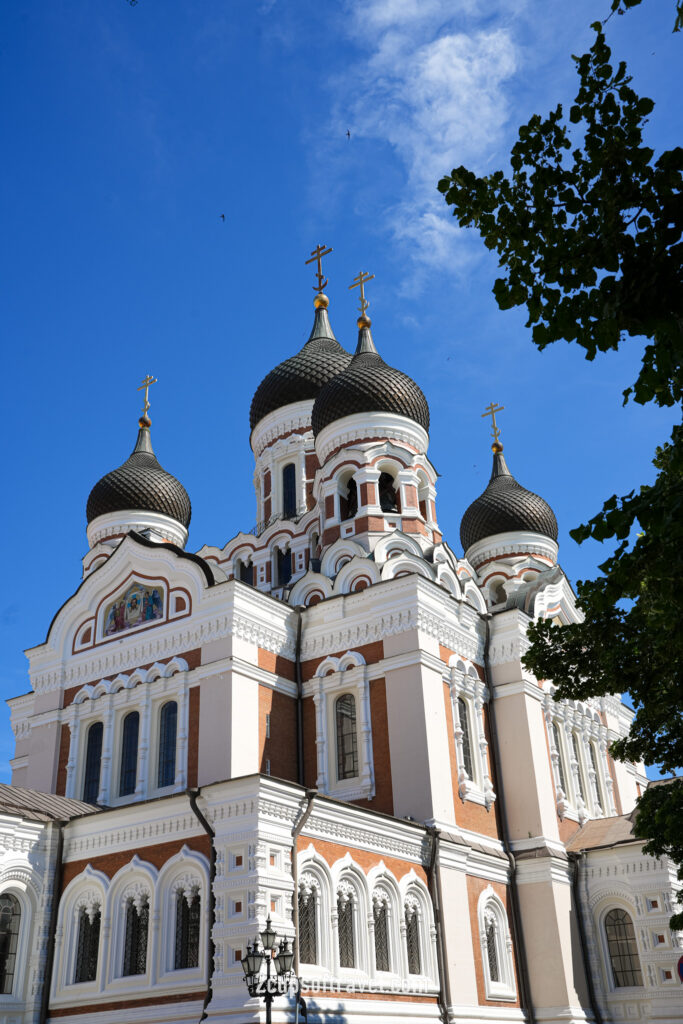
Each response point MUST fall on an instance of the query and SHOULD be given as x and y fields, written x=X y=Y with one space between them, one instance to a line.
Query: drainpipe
x=193 y=794
x=52 y=928
x=577 y=860
x=434 y=885
x=296 y=832
x=299 y=699
x=517 y=928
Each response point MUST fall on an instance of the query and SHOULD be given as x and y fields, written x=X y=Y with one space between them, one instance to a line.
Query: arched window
x=10 y=918
x=380 y=916
x=289 y=491
x=496 y=946
x=598 y=778
x=463 y=718
x=308 y=927
x=388 y=495
x=622 y=949
x=348 y=504
x=413 y=938
x=246 y=573
x=93 y=760
x=284 y=567
x=560 y=758
x=491 y=950
x=135 y=943
x=88 y=944
x=187 y=928
x=347 y=945
x=168 y=729
x=129 y=753
x=347 y=738
x=579 y=772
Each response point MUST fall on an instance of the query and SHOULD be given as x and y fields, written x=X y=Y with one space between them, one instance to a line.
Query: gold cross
x=491 y=411
x=146 y=384
x=317 y=256
x=359 y=282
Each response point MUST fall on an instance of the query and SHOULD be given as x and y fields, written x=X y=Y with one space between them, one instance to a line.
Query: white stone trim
x=514 y=542
x=490 y=910
x=465 y=684
x=335 y=677
x=163 y=528
x=361 y=425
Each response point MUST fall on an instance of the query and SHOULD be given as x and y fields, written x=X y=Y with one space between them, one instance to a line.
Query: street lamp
x=269 y=983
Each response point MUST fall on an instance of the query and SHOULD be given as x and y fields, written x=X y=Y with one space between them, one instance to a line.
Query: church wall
x=42 y=765
x=277 y=751
x=372 y=653
x=63 y=757
x=157 y=854
x=475 y=887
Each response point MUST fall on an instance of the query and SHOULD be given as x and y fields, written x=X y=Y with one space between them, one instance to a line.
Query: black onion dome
x=369 y=385
x=301 y=376
x=504 y=507
x=140 y=484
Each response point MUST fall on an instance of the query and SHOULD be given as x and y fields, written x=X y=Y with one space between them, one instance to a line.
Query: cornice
x=295 y=417
x=365 y=425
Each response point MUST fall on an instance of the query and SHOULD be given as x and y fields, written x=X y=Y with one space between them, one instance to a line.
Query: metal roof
x=37 y=806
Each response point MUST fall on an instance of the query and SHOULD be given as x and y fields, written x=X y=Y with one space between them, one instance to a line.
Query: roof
x=141 y=484
x=37 y=806
x=504 y=507
x=603 y=832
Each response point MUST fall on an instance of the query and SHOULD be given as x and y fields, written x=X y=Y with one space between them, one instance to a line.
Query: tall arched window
x=246 y=573
x=560 y=758
x=380 y=916
x=308 y=927
x=348 y=503
x=88 y=944
x=289 y=491
x=491 y=950
x=10 y=918
x=413 y=938
x=598 y=777
x=466 y=744
x=168 y=729
x=388 y=494
x=135 y=942
x=575 y=748
x=284 y=567
x=347 y=945
x=622 y=949
x=187 y=928
x=93 y=760
x=347 y=738
x=129 y=753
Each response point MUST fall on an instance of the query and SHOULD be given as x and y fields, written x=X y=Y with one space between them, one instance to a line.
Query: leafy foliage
x=588 y=227
x=621 y=6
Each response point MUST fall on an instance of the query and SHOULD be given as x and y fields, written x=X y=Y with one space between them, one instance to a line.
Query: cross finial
x=359 y=282
x=146 y=384
x=491 y=411
x=317 y=257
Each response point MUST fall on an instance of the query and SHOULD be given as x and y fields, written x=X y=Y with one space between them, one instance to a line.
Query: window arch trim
x=493 y=923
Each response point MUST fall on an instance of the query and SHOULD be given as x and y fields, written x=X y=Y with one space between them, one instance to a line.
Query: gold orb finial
x=321 y=301
x=145 y=421
x=363 y=321
x=496 y=447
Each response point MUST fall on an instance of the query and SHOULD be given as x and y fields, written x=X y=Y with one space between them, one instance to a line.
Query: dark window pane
x=623 y=950
x=347 y=739
x=388 y=495
x=188 y=922
x=308 y=930
x=381 y=937
x=413 y=941
x=93 y=760
x=289 y=491
x=465 y=729
x=347 y=951
x=491 y=951
x=88 y=946
x=284 y=568
x=168 y=728
x=135 y=947
x=129 y=754
x=247 y=573
x=10 y=919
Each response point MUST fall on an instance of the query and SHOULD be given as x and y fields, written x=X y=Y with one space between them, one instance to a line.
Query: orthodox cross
x=359 y=282
x=146 y=384
x=491 y=411
x=317 y=257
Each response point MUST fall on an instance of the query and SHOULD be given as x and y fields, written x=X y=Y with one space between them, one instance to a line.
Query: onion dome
x=301 y=376
x=505 y=507
x=140 y=484
x=368 y=384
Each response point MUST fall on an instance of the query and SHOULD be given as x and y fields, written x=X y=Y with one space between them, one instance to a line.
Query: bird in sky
x=348 y=134
x=222 y=216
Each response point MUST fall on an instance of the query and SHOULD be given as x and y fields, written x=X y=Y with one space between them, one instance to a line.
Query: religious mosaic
x=139 y=604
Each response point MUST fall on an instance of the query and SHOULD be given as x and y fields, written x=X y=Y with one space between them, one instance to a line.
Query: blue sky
x=128 y=131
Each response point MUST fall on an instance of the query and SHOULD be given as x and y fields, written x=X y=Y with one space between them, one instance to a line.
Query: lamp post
x=278 y=977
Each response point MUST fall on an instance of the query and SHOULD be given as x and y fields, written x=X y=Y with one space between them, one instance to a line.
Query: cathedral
x=322 y=732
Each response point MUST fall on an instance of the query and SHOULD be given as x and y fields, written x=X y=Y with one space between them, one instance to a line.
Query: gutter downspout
x=434 y=885
x=52 y=927
x=311 y=794
x=299 y=700
x=211 y=949
x=577 y=860
x=517 y=929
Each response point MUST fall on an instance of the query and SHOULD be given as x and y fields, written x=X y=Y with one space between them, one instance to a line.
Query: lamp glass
x=268 y=936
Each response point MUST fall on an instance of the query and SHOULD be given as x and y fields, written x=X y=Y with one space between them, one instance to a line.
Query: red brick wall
x=128 y=1004
x=280 y=748
x=193 y=737
x=332 y=852
x=192 y=657
x=64 y=744
x=372 y=653
x=272 y=662
x=475 y=886
x=110 y=863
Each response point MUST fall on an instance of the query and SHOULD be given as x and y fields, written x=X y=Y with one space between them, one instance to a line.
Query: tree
x=588 y=226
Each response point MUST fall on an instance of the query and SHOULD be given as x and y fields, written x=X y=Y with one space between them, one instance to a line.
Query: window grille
x=268 y=727
x=87 y=946
x=308 y=931
x=187 y=928
x=492 y=950
x=135 y=945
x=560 y=763
x=289 y=491
x=284 y=567
x=129 y=753
x=413 y=941
x=347 y=739
x=168 y=730
x=347 y=951
x=10 y=918
x=381 y=936
x=623 y=950
x=466 y=744
x=93 y=760
x=575 y=748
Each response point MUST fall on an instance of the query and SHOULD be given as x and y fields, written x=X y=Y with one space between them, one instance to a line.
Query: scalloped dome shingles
x=369 y=385
x=140 y=484
x=302 y=375
x=504 y=507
